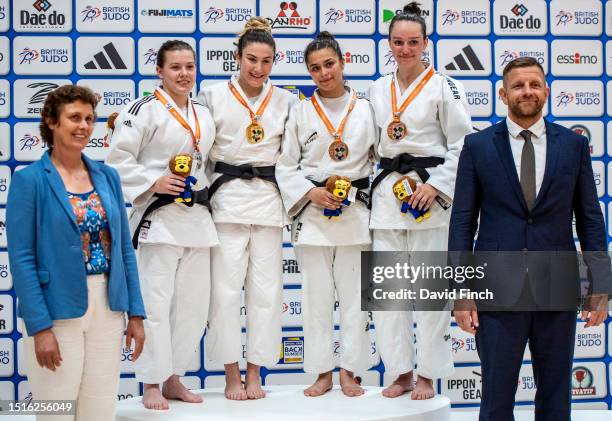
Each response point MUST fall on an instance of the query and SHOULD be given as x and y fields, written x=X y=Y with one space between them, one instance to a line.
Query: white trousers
x=90 y=347
x=394 y=329
x=248 y=256
x=175 y=286
x=323 y=270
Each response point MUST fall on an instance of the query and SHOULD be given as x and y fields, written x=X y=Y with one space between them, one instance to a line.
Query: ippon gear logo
x=563 y=18
x=42 y=5
x=28 y=141
x=564 y=99
x=334 y=16
x=213 y=15
x=27 y=55
x=150 y=56
x=90 y=13
x=450 y=16
x=519 y=10
x=289 y=18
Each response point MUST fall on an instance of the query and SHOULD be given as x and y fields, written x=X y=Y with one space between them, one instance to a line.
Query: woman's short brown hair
x=55 y=102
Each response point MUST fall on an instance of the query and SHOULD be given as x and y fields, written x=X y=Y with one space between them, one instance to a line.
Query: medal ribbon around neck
x=195 y=137
x=338 y=150
x=254 y=131
x=397 y=129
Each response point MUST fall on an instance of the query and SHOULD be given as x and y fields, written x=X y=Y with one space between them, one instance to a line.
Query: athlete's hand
x=423 y=196
x=169 y=184
x=320 y=196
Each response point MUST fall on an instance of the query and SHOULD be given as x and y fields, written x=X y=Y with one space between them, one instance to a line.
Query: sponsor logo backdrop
x=111 y=45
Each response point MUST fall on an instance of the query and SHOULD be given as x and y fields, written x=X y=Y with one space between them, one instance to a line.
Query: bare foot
x=401 y=385
x=152 y=397
x=174 y=389
x=320 y=386
x=234 y=390
x=349 y=385
x=253 y=382
x=423 y=389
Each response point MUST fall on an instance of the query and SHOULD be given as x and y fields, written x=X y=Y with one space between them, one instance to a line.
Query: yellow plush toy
x=339 y=186
x=181 y=165
x=403 y=190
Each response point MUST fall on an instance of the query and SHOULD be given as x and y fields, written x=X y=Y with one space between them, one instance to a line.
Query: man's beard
x=526 y=111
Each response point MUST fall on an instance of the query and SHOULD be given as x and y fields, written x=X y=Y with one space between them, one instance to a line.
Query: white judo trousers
x=90 y=347
x=394 y=329
x=248 y=256
x=175 y=285
x=325 y=269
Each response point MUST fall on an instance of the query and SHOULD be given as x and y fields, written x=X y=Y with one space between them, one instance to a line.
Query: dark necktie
x=528 y=181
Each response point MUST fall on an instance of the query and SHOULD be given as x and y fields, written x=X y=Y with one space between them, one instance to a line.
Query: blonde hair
x=257 y=29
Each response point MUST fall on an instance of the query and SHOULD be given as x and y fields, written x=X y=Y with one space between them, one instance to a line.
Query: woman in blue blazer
x=73 y=265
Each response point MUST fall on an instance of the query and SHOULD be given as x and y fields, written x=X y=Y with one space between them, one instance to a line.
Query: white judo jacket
x=145 y=138
x=305 y=157
x=243 y=201
x=437 y=120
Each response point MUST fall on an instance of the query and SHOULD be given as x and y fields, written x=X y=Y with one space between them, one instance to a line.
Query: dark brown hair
x=411 y=12
x=172 y=45
x=522 y=62
x=322 y=41
x=54 y=105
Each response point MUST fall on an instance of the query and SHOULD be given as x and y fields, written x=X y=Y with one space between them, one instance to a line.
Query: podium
x=284 y=403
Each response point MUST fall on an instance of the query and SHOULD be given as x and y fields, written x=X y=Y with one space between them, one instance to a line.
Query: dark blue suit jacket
x=45 y=248
x=488 y=186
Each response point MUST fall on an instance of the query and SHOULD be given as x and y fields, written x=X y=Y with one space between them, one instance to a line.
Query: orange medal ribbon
x=254 y=131
x=195 y=137
x=397 y=130
x=338 y=150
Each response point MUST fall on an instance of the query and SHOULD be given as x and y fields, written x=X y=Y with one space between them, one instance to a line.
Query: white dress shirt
x=538 y=138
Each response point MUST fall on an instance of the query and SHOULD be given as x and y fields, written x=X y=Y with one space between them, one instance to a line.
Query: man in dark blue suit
x=519 y=182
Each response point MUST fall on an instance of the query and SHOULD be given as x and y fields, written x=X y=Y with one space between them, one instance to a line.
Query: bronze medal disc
x=254 y=133
x=338 y=150
x=396 y=130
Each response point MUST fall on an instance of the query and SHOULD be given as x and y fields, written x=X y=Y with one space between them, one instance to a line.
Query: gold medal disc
x=396 y=130
x=254 y=133
x=338 y=150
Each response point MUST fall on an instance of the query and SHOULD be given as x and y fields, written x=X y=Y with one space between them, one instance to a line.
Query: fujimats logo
x=289 y=18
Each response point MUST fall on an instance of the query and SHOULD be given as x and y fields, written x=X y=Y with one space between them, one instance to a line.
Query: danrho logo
x=101 y=62
x=460 y=63
x=289 y=18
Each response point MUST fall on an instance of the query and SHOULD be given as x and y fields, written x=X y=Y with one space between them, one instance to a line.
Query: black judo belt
x=403 y=164
x=362 y=195
x=199 y=197
x=245 y=171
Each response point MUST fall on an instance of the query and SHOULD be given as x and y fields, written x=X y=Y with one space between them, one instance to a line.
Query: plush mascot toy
x=181 y=165
x=339 y=186
x=403 y=190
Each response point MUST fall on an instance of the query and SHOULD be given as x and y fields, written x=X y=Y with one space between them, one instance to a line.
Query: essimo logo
x=577 y=57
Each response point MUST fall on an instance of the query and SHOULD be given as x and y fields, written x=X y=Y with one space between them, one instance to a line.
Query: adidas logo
x=460 y=61
x=1 y=307
x=127 y=123
x=100 y=60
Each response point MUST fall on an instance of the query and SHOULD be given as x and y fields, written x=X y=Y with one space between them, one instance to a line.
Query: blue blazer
x=45 y=248
x=487 y=186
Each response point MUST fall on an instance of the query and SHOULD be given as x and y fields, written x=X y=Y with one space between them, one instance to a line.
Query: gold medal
x=396 y=130
x=338 y=150
x=254 y=133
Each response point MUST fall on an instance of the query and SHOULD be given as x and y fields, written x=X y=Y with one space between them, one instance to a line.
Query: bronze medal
x=254 y=133
x=396 y=130
x=338 y=150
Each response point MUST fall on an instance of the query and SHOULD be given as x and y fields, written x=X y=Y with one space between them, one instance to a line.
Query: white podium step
x=284 y=403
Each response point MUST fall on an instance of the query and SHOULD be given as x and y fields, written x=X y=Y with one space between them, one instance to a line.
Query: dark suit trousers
x=501 y=339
